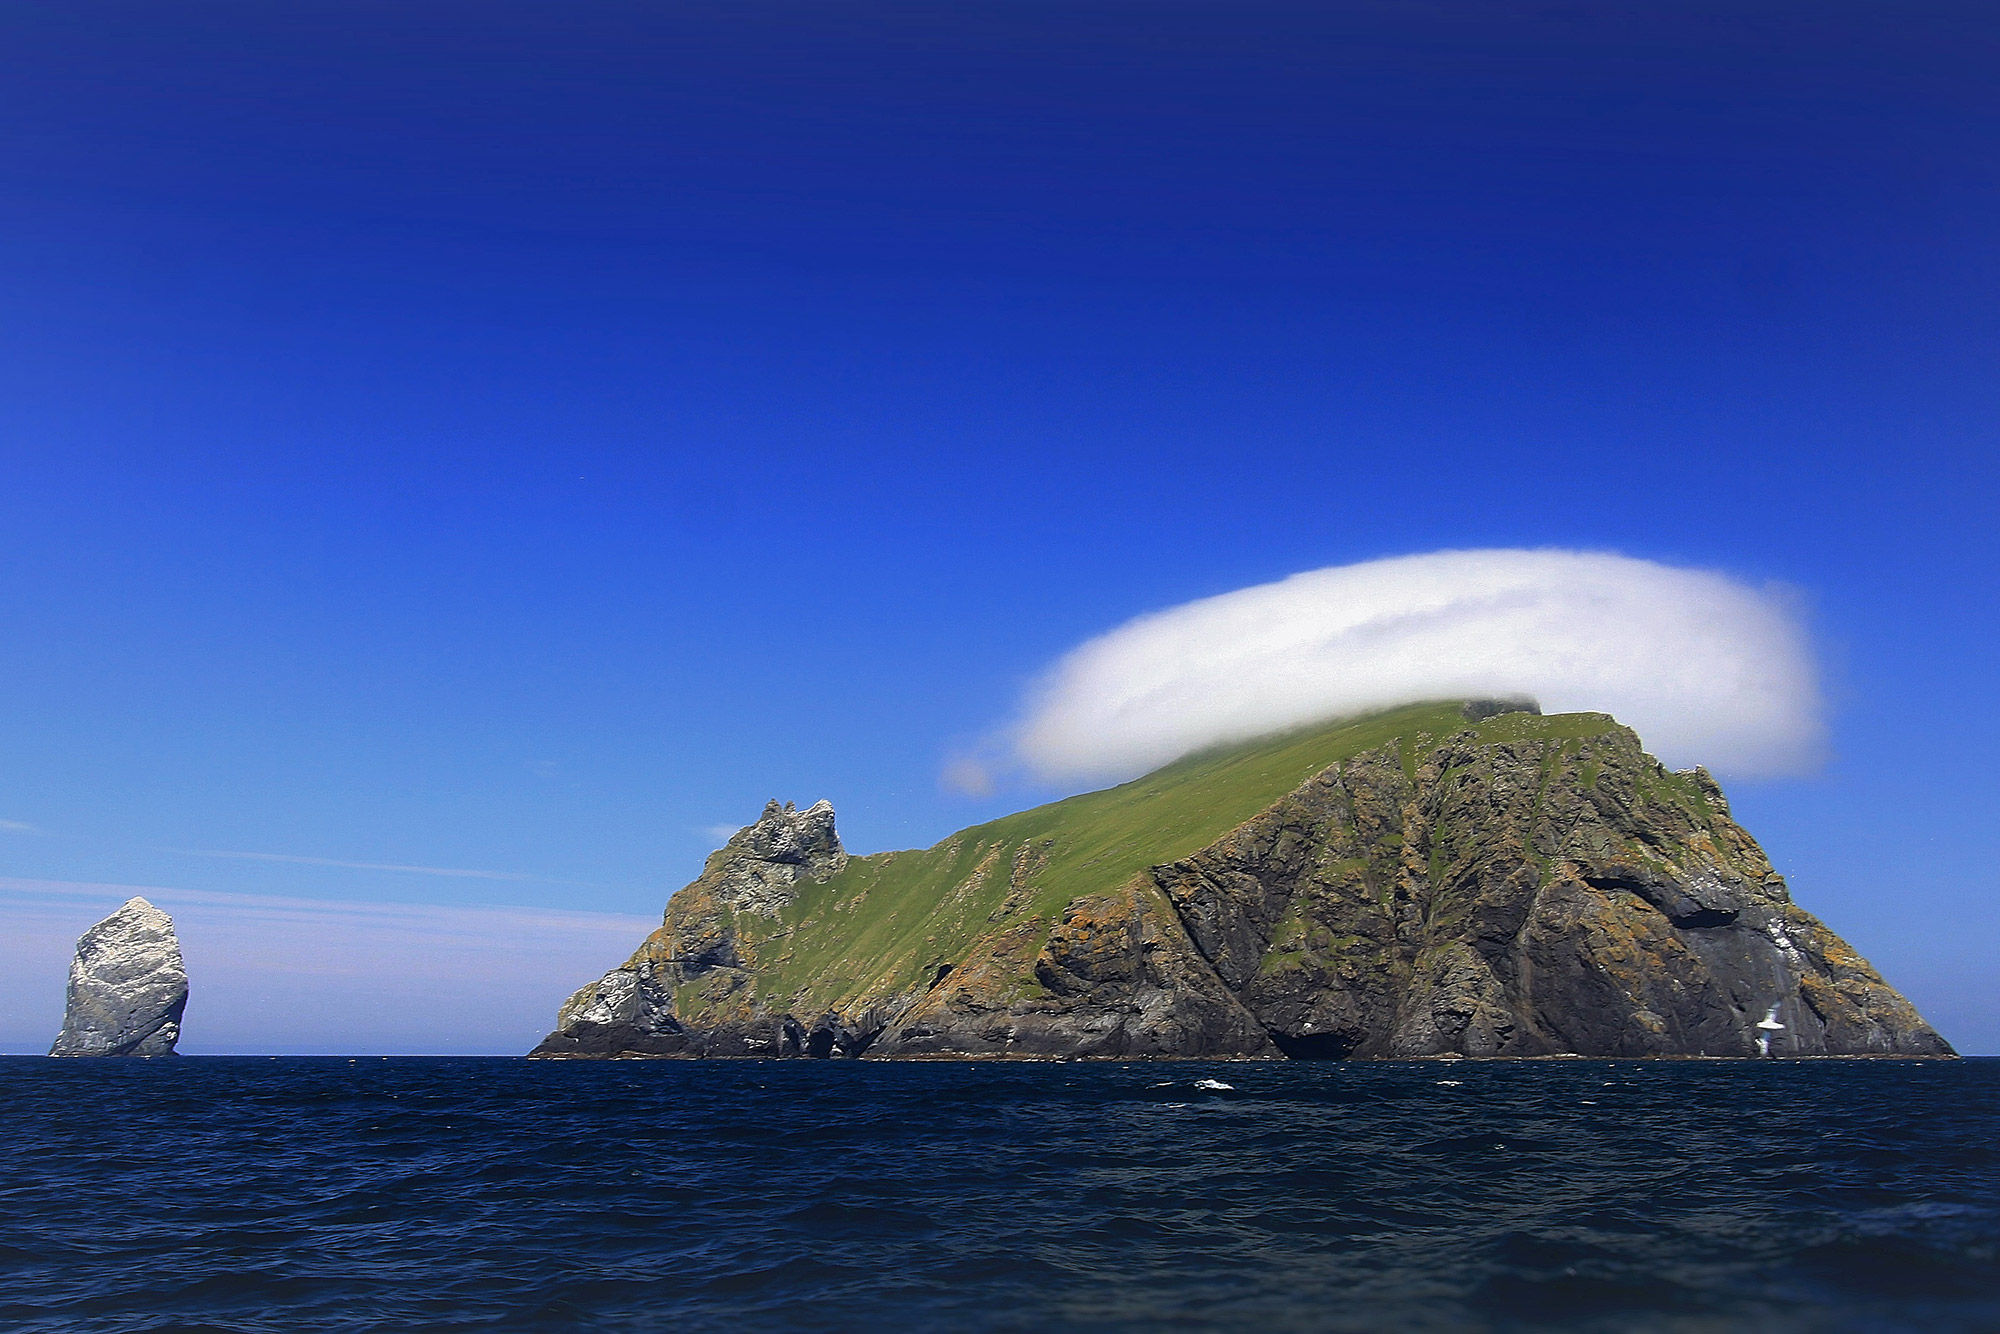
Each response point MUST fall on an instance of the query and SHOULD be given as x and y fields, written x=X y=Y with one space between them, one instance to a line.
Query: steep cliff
x=1437 y=879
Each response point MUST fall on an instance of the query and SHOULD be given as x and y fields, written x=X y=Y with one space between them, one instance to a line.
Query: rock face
x=760 y=868
x=1482 y=883
x=756 y=874
x=127 y=987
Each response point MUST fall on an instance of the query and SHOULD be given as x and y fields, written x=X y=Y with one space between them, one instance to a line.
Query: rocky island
x=1478 y=880
x=127 y=987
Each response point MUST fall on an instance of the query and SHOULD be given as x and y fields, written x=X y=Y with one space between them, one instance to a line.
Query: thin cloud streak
x=18 y=827
x=1707 y=669
x=295 y=907
x=294 y=860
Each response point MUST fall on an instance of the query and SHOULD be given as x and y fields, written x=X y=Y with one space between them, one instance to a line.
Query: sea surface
x=329 y=1194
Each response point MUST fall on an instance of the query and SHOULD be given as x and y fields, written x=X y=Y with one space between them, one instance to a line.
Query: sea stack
x=127 y=987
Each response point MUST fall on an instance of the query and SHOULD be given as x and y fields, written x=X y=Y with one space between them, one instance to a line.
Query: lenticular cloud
x=1706 y=669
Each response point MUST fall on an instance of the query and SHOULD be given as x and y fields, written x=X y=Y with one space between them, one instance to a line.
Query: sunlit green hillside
x=888 y=920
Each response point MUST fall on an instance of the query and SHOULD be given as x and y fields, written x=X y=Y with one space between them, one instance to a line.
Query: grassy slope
x=886 y=921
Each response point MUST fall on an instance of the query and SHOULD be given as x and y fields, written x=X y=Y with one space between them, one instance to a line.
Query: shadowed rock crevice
x=1316 y=1046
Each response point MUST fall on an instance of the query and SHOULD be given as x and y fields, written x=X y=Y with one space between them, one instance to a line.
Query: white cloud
x=18 y=827
x=276 y=974
x=1707 y=669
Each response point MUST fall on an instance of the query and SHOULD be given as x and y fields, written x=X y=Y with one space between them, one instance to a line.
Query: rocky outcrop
x=127 y=987
x=1506 y=885
x=759 y=869
x=631 y=1009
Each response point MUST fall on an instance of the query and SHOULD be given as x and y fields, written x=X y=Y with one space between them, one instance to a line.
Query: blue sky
x=519 y=439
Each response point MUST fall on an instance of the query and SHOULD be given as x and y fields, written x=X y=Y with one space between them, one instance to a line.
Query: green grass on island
x=884 y=923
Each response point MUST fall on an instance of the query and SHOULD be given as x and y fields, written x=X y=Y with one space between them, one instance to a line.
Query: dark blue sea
x=329 y=1194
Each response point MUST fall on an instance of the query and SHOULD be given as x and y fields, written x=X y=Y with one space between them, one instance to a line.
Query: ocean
x=331 y=1193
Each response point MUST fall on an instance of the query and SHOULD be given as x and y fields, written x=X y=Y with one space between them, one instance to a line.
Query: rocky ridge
x=1463 y=880
x=127 y=987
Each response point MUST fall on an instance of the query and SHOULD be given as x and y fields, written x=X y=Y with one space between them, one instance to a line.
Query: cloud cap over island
x=1707 y=669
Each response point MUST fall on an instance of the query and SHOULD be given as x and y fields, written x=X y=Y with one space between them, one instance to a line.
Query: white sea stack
x=127 y=987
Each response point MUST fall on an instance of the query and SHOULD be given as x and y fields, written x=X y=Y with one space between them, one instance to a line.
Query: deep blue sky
x=518 y=438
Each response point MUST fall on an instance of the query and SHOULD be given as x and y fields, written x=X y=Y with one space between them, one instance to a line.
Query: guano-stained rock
x=127 y=987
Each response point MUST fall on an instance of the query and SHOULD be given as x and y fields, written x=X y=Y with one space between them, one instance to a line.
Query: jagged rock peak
x=127 y=987
x=757 y=870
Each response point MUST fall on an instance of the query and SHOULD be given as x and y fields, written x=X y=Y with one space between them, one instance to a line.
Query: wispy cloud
x=277 y=973
x=720 y=833
x=1707 y=669
x=967 y=776
x=18 y=827
x=457 y=872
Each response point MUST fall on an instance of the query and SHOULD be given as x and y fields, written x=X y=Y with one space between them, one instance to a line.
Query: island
x=1455 y=879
